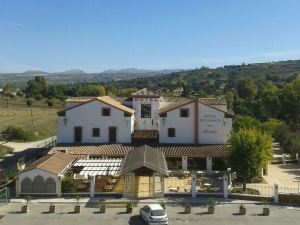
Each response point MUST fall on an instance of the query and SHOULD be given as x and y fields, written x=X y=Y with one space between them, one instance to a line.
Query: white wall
x=184 y=126
x=214 y=127
x=89 y=116
x=146 y=123
x=32 y=174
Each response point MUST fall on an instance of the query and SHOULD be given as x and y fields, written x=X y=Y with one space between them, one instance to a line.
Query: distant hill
x=138 y=71
x=204 y=78
x=215 y=81
x=78 y=76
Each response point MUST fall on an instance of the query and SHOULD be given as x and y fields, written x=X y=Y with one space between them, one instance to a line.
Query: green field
x=41 y=122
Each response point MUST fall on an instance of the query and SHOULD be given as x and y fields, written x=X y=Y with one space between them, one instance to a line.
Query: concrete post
x=58 y=186
x=283 y=158
x=225 y=186
x=92 y=188
x=184 y=163
x=276 y=190
x=297 y=157
x=18 y=186
x=208 y=165
x=193 y=186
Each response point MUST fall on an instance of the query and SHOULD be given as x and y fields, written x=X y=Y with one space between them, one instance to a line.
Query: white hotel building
x=130 y=146
x=185 y=129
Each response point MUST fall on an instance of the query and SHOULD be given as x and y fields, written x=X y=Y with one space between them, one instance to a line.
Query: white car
x=154 y=214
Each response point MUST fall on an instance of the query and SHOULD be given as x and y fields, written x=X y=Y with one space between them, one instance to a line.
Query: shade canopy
x=99 y=167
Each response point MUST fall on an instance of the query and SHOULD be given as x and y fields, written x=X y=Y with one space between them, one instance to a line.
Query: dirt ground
x=284 y=175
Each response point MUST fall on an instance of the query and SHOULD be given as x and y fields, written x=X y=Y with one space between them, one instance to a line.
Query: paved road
x=225 y=215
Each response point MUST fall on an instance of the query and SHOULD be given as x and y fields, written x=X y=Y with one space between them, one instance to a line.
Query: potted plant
x=211 y=206
x=163 y=204
x=187 y=209
x=129 y=207
x=77 y=206
x=102 y=208
x=242 y=210
x=52 y=208
x=266 y=210
x=25 y=208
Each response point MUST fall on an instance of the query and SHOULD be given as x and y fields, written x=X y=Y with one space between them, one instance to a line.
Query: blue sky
x=57 y=35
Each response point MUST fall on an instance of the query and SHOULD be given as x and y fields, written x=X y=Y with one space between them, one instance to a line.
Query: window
x=105 y=111
x=171 y=132
x=96 y=132
x=145 y=110
x=184 y=112
x=163 y=115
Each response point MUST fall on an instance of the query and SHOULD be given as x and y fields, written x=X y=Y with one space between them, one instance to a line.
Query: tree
x=246 y=88
x=250 y=151
x=245 y=122
x=229 y=99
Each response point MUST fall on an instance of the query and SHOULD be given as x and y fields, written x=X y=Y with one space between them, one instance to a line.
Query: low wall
x=287 y=199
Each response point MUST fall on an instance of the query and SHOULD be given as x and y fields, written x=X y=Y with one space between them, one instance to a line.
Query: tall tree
x=250 y=151
x=246 y=88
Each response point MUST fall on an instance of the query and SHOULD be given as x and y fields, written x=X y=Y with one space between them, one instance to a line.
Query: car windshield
x=158 y=212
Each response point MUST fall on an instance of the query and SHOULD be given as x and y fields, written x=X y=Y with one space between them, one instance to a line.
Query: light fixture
x=65 y=121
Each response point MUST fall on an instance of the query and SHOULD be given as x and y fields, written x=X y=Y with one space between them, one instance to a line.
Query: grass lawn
x=42 y=123
x=5 y=150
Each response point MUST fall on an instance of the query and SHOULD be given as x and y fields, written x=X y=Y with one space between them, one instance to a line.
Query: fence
x=4 y=196
x=48 y=143
x=288 y=190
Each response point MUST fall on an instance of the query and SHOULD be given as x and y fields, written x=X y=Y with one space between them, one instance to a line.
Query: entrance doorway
x=112 y=134
x=78 y=134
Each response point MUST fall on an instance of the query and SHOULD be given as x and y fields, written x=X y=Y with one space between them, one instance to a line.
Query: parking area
x=225 y=214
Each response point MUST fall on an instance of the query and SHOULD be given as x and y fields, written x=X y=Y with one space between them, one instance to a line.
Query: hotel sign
x=210 y=120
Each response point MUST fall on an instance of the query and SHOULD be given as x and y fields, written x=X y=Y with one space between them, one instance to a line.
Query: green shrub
x=50 y=103
x=5 y=150
x=67 y=184
x=12 y=133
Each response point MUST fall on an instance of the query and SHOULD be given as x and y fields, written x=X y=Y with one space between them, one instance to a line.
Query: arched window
x=38 y=185
x=26 y=185
x=50 y=185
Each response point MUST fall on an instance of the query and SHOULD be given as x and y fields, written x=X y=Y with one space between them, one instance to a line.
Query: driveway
x=21 y=146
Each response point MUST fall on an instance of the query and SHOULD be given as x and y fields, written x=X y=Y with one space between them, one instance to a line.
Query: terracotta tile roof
x=208 y=102
x=145 y=156
x=213 y=101
x=145 y=93
x=79 y=99
x=54 y=163
x=175 y=105
x=107 y=100
x=120 y=150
